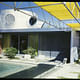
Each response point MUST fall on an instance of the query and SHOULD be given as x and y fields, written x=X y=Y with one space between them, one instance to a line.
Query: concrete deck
x=61 y=70
x=70 y=71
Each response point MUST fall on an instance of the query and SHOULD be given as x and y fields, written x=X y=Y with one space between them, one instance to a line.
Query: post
x=18 y=44
x=71 y=54
x=38 y=43
x=74 y=46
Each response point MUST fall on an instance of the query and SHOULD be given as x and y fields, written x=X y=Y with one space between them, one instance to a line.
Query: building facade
x=17 y=30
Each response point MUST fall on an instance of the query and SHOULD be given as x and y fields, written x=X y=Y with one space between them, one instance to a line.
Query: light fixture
x=32 y=20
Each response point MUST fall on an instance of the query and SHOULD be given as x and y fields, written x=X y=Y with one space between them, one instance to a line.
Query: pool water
x=32 y=72
x=10 y=68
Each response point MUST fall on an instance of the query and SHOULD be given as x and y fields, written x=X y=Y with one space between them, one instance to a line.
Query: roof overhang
x=31 y=30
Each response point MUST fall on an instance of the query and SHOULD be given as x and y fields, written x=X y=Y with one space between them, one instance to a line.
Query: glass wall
x=33 y=40
x=14 y=41
x=23 y=41
x=0 y=43
x=20 y=41
x=6 y=40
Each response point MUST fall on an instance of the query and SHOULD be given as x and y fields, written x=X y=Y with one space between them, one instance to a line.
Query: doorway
x=19 y=41
x=23 y=43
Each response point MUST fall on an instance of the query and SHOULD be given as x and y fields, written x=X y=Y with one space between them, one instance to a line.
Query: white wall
x=74 y=45
x=75 y=39
x=21 y=20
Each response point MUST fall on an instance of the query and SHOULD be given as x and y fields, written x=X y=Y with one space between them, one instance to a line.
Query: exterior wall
x=75 y=39
x=74 y=45
x=55 y=44
x=51 y=44
x=17 y=20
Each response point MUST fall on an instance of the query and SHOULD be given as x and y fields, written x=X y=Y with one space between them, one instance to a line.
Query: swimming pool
x=14 y=70
x=8 y=68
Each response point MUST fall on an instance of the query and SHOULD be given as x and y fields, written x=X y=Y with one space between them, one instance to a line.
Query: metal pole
x=14 y=4
x=7 y=5
x=40 y=6
x=18 y=44
x=71 y=13
x=77 y=6
x=38 y=42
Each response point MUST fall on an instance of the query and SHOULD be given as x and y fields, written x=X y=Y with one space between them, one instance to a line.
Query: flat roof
x=33 y=30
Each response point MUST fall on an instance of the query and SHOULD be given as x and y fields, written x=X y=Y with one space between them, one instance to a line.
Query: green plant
x=10 y=52
x=30 y=51
x=79 y=76
x=17 y=58
x=25 y=51
x=0 y=57
x=61 y=77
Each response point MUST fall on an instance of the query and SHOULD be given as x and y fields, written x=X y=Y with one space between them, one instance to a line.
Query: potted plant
x=10 y=52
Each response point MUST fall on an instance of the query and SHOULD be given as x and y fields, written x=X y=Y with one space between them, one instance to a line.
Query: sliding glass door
x=24 y=40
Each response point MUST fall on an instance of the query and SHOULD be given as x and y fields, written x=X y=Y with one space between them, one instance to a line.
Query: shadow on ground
x=60 y=57
x=32 y=72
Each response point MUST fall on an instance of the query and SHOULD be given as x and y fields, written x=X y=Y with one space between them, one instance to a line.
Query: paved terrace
x=61 y=70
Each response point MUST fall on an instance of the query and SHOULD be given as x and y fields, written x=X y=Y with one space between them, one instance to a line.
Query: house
x=17 y=30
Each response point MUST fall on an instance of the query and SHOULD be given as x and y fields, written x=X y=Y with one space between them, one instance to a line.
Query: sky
x=43 y=15
x=79 y=4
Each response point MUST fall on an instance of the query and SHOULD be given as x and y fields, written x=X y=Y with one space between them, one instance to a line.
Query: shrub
x=10 y=52
x=79 y=76
x=0 y=57
x=25 y=51
x=30 y=51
